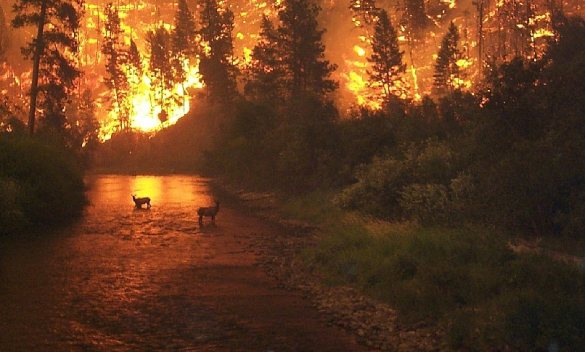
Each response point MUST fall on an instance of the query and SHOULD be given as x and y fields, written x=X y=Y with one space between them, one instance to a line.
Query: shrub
x=483 y=295
x=12 y=218
x=428 y=203
x=414 y=184
x=39 y=184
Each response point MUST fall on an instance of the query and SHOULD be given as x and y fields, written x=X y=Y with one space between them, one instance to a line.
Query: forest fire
x=488 y=31
x=433 y=138
x=146 y=116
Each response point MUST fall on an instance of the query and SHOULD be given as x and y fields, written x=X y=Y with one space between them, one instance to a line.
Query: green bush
x=413 y=184
x=428 y=203
x=12 y=217
x=39 y=184
x=468 y=281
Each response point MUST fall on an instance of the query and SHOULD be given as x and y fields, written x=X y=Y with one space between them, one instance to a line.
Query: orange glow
x=359 y=50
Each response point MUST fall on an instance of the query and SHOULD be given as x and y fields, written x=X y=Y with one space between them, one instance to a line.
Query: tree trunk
x=39 y=47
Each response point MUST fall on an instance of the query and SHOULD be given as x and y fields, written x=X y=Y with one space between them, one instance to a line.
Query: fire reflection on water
x=172 y=190
x=99 y=282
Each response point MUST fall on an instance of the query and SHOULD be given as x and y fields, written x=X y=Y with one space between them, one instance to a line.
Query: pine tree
x=135 y=59
x=386 y=58
x=217 y=60
x=85 y=125
x=161 y=68
x=266 y=72
x=184 y=34
x=184 y=40
x=446 y=69
x=134 y=71
x=415 y=17
x=53 y=51
x=303 y=50
x=116 y=57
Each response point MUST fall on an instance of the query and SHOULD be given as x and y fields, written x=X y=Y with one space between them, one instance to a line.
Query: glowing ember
x=359 y=50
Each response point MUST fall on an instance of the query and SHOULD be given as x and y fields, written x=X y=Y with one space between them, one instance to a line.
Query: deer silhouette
x=208 y=212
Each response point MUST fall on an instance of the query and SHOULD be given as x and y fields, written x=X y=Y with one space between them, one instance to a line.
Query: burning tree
x=135 y=69
x=116 y=57
x=53 y=50
x=446 y=69
x=161 y=68
x=85 y=140
x=183 y=39
x=415 y=18
x=217 y=60
x=365 y=9
x=386 y=58
x=307 y=70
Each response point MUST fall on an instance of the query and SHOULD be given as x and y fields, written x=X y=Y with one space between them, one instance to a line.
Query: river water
x=126 y=279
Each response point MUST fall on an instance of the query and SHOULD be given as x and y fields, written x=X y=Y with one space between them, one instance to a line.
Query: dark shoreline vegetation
x=470 y=281
x=443 y=189
x=41 y=184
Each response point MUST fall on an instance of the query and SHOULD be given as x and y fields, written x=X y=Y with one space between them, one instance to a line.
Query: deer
x=209 y=212
x=139 y=201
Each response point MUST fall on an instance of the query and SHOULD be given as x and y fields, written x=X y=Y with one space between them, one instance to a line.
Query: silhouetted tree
x=446 y=69
x=184 y=34
x=217 y=59
x=135 y=59
x=303 y=50
x=53 y=51
x=266 y=73
x=161 y=68
x=415 y=17
x=116 y=57
x=86 y=126
x=184 y=39
x=386 y=58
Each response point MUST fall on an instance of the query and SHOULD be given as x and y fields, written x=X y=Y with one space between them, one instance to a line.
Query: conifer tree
x=217 y=60
x=415 y=17
x=116 y=57
x=85 y=124
x=184 y=34
x=134 y=62
x=53 y=50
x=446 y=69
x=386 y=59
x=303 y=50
x=161 y=68
x=266 y=72
x=184 y=39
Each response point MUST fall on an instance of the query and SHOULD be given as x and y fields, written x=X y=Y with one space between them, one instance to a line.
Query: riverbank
x=286 y=258
x=127 y=279
x=464 y=288
x=40 y=185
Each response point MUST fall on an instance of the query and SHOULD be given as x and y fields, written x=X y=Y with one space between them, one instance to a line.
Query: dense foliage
x=39 y=184
x=507 y=159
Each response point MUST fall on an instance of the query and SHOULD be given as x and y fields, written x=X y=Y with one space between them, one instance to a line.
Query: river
x=125 y=279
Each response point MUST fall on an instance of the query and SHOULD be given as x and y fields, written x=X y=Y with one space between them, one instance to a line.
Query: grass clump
x=466 y=280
